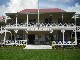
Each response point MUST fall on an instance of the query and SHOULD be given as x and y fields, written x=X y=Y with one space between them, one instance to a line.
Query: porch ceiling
x=67 y=15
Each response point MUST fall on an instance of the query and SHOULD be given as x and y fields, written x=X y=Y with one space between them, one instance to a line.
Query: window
x=32 y=21
x=78 y=35
x=48 y=20
x=19 y=37
x=49 y=37
x=54 y=37
x=59 y=20
x=20 y=21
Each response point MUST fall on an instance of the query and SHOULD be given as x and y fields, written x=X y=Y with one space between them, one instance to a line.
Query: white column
x=14 y=38
x=75 y=31
x=63 y=29
x=62 y=17
x=63 y=35
x=75 y=37
x=75 y=19
x=26 y=36
x=11 y=36
x=27 y=20
x=16 y=20
x=38 y=11
x=6 y=19
x=5 y=36
x=1 y=28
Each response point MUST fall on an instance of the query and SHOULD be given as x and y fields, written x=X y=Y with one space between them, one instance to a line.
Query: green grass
x=17 y=53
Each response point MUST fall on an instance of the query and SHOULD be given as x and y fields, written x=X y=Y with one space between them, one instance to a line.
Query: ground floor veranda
x=39 y=37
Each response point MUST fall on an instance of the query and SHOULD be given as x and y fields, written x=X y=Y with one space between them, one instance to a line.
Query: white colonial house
x=43 y=27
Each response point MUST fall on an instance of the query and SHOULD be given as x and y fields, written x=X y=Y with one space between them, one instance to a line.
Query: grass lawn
x=17 y=53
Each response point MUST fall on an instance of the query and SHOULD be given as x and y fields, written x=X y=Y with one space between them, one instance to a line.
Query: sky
x=13 y=6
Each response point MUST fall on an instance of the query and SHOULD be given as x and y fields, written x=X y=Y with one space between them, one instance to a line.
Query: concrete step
x=38 y=47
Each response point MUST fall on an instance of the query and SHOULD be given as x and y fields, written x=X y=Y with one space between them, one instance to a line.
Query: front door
x=31 y=39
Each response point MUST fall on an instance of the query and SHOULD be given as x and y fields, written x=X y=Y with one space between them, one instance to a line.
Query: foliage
x=27 y=40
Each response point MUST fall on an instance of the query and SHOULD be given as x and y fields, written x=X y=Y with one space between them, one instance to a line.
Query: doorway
x=31 y=39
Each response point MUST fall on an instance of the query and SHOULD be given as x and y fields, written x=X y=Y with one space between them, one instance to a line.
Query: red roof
x=42 y=10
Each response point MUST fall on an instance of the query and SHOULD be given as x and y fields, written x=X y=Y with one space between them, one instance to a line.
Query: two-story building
x=41 y=28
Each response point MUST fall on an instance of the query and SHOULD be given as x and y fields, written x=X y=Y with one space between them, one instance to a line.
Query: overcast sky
x=13 y=6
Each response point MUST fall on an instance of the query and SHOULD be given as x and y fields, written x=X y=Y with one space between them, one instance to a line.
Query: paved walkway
x=38 y=47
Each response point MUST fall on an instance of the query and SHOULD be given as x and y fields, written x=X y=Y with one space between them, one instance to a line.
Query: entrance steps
x=38 y=47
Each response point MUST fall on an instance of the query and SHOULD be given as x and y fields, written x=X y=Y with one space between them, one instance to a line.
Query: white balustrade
x=60 y=42
x=77 y=28
x=65 y=43
x=21 y=42
x=18 y=42
x=53 y=42
x=42 y=26
x=60 y=24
